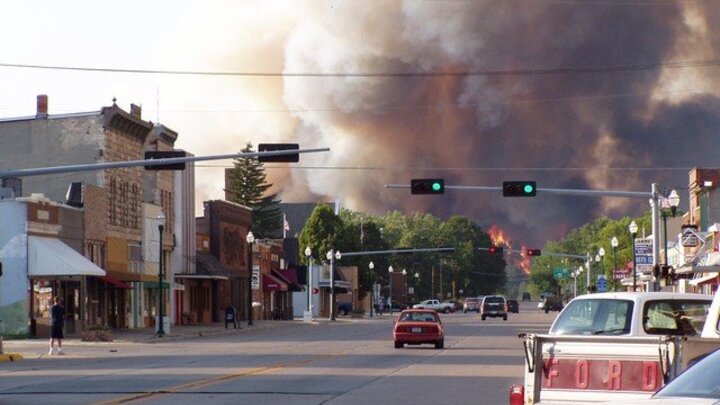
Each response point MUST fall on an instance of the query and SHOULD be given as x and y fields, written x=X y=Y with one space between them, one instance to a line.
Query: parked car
x=418 y=326
x=456 y=305
x=435 y=305
x=344 y=308
x=471 y=304
x=699 y=385
x=513 y=306
x=493 y=306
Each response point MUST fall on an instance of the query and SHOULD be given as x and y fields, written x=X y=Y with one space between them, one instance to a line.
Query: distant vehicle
x=471 y=304
x=493 y=306
x=513 y=306
x=418 y=326
x=456 y=305
x=435 y=305
x=552 y=303
x=526 y=296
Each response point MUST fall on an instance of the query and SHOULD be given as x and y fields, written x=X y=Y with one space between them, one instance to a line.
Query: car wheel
x=440 y=344
x=547 y=310
x=343 y=312
x=446 y=310
x=505 y=318
x=483 y=317
x=398 y=345
x=465 y=311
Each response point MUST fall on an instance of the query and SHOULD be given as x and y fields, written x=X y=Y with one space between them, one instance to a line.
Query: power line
x=486 y=73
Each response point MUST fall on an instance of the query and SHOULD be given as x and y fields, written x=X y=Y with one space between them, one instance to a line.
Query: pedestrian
x=57 y=324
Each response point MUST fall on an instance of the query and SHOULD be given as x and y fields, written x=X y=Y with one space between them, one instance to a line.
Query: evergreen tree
x=248 y=187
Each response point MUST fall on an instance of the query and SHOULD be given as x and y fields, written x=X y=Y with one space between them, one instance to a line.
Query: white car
x=541 y=305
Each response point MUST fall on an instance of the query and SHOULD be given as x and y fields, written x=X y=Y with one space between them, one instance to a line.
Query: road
x=347 y=362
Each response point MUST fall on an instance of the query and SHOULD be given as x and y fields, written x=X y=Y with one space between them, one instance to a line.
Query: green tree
x=321 y=232
x=248 y=187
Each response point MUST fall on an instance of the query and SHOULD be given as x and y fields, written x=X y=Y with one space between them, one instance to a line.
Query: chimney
x=42 y=106
x=136 y=111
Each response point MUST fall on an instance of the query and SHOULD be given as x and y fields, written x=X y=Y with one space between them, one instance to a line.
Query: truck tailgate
x=586 y=369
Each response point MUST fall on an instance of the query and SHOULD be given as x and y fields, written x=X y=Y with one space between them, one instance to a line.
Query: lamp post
x=161 y=228
x=601 y=253
x=417 y=281
x=588 y=268
x=332 y=255
x=673 y=200
x=250 y=238
x=371 y=266
x=390 y=270
x=309 y=308
x=633 y=228
x=614 y=243
x=404 y=273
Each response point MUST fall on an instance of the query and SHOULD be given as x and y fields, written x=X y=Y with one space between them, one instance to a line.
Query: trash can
x=166 y=324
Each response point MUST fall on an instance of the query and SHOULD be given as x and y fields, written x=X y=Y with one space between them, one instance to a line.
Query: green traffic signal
x=519 y=189
x=436 y=186
x=528 y=188
x=427 y=186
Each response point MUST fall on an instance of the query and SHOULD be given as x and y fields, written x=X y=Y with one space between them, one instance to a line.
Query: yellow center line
x=214 y=380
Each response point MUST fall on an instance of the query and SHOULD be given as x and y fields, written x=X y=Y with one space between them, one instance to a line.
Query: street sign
x=255 y=281
x=690 y=237
x=644 y=255
x=559 y=273
x=619 y=274
x=601 y=283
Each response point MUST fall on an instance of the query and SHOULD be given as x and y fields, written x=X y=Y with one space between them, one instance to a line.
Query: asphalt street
x=351 y=361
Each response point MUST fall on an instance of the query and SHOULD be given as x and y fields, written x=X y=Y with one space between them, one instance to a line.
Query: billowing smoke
x=399 y=128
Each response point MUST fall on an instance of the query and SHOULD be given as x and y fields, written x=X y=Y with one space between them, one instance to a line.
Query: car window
x=698 y=381
x=494 y=300
x=594 y=317
x=676 y=317
x=418 y=317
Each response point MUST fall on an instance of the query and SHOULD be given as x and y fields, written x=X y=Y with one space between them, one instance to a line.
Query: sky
x=581 y=94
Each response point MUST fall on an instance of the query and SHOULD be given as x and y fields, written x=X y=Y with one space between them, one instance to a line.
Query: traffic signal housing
x=519 y=189
x=165 y=154
x=495 y=250
x=427 y=186
x=272 y=147
x=532 y=252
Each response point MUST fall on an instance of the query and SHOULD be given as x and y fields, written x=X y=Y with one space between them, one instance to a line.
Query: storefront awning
x=153 y=285
x=50 y=257
x=704 y=279
x=272 y=283
x=202 y=276
x=116 y=283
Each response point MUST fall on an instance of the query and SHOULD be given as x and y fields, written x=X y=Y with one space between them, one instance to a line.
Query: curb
x=10 y=357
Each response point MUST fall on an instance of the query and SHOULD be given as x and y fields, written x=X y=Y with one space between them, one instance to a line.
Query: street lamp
x=633 y=228
x=332 y=255
x=390 y=270
x=308 y=254
x=371 y=266
x=601 y=253
x=614 y=243
x=673 y=200
x=161 y=228
x=250 y=238
x=417 y=281
x=404 y=273
x=588 y=267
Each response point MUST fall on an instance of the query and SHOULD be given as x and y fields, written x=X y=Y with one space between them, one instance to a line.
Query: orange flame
x=498 y=238
x=524 y=263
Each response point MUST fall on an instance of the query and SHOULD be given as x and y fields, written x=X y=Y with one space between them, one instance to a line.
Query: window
x=595 y=317
x=675 y=317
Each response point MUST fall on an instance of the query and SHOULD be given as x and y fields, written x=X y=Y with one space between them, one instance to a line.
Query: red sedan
x=418 y=326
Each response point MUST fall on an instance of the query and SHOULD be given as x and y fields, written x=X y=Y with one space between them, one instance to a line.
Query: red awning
x=271 y=283
x=116 y=282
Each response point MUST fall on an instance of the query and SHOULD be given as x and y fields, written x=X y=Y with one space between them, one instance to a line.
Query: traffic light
x=427 y=186
x=271 y=147
x=165 y=154
x=519 y=189
x=532 y=252
x=495 y=250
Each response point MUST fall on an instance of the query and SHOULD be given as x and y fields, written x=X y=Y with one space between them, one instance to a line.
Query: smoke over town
x=572 y=94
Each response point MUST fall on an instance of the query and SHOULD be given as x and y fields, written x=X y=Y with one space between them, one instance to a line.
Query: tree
x=248 y=187
x=321 y=232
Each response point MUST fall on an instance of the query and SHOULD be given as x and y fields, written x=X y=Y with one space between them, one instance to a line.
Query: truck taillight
x=517 y=394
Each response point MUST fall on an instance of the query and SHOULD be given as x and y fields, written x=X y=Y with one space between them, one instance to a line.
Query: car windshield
x=595 y=317
x=494 y=300
x=698 y=381
x=418 y=317
x=675 y=317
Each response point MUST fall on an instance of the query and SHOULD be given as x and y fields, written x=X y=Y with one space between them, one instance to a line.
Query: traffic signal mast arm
x=146 y=162
x=567 y=191
x=400 y=251
x=543 y=253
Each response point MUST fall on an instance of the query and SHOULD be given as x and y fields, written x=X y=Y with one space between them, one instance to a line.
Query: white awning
x=704 y=278
x=201 y=276
x=51 y=257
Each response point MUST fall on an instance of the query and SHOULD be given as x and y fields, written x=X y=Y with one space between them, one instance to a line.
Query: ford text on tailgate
x=578 y=369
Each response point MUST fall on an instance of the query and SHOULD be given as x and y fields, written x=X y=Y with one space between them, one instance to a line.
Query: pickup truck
x=445 y=307
x=614 y=346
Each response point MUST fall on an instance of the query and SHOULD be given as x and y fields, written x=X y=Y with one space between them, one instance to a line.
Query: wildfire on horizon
x=499 y=238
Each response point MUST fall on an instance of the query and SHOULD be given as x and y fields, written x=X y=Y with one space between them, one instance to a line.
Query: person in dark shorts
x=57 y=324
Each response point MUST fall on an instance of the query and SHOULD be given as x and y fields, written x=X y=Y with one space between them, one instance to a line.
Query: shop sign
x=255 y=277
